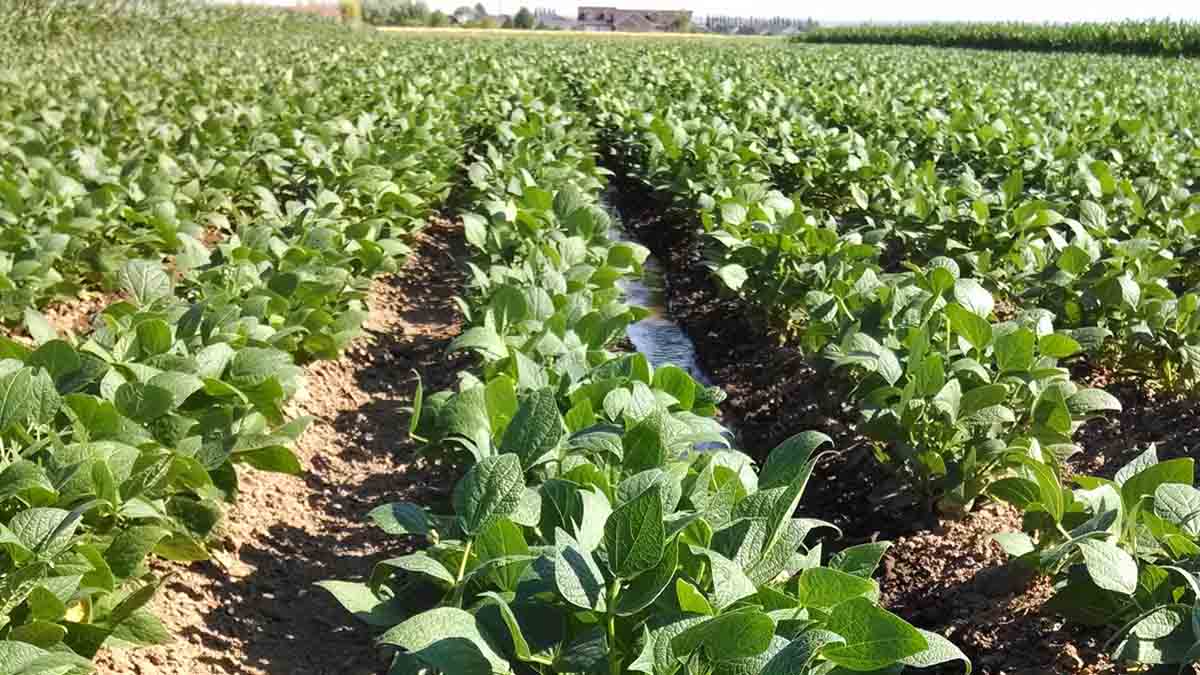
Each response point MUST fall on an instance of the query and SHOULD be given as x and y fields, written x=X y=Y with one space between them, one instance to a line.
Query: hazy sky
x=886 y=10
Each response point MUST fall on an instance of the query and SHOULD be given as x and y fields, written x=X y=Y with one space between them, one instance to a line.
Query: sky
x=857 y=11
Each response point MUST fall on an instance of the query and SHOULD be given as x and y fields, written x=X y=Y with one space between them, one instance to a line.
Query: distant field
x=561 y=33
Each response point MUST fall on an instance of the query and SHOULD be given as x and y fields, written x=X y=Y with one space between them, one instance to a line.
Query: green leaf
x=1058 y=345
x=1014 y=351
x=1147 y=481
x=45 y=531
x=576 y=575
x=491 y=490
x=734 y=276
x=504 y=540
x=940 y=651
x=482 y=339
x=515 y=633
x=475 y=228
x=252 y=366
x=690 y=598
x=973 y=328
x=1086 y=402
x=1173 y=502
x=130 y=547
x=536 y=430
x=647 y=586
x=874 y=638
x=145 y=281
x=975 y=298
x=448 y=639
x=676 y=382
x=733 y=213
x=634 y=534
x=824 y=587
x=799 y=655
x=422 y=564
x=16 y=397
x=1164 y=636
x=1015 y=544
x=860 y=560
x=729 y=581
x=401 y=518
x=1109 y=567
x=791 y=460
x=733 y=635
x=275 y=458
x=39 y=328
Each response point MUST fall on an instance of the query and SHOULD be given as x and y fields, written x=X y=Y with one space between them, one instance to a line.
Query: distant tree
x=508 y=22
x=464 y=14
x=485 y=22
x=396 y=12
x=352 y=11
x=480 y=10
x=523 y=19
x=439 y=19
x=681 y=24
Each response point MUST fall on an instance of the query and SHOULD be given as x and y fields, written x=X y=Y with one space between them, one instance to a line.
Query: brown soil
x=946 y=576
x=1171 y=421
x=75 y=315
x=254 y=609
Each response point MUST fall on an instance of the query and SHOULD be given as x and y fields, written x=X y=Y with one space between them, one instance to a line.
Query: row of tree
x=750 y=25
x=417 y=13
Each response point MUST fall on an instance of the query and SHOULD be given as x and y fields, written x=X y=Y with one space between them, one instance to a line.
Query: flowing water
x=657 y=336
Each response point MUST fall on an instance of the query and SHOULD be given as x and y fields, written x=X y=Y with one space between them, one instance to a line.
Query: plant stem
x=462 y=566
x=614 y=656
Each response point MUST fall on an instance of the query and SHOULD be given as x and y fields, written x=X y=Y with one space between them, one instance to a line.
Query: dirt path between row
x=254 y=609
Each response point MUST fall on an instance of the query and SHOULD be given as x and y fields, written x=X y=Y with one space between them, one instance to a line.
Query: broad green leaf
x=799 y=655
x=940 y=651
x=729 y=581
x=1087 y=402
x=145 y=281
x=874 y=638
x=645 y=588
x=401 y=518
x=1109 y=567
x=1176 y=503
x=1058 y=345
x=1015 y=350
x=448 y=639
x=860 y=560
x=536 y=430
x=733 y=635
x=971 y=295
x=634 y=534
x=364 y=603
x=690 y=598
x=825 y=587
x=973 y=328
x=491 y=490
x=576 y=575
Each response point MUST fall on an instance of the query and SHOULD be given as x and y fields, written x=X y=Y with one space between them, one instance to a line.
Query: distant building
x=548 y=19
x=631 y=20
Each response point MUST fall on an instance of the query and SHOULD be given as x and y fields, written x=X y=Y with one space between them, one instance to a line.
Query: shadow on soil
x=286 y=625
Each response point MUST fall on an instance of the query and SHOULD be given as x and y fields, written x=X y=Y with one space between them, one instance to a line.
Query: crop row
x=951 y=253
x=233 y=229
x=589 y=534
x=1155 y=38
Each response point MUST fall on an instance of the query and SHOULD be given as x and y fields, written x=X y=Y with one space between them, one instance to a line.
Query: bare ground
x=254 y=609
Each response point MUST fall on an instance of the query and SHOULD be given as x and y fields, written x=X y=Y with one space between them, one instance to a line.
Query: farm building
x=631 y=20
